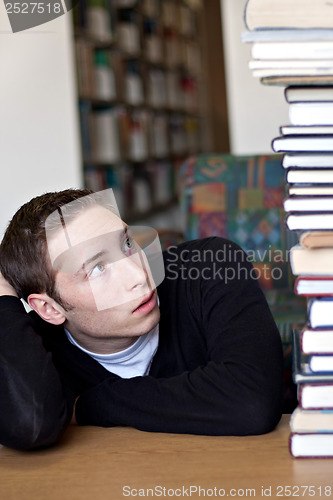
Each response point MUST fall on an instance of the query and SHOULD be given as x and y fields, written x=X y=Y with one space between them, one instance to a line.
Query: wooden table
x=94 y=463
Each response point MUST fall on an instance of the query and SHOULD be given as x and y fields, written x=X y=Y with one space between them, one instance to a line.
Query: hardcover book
x=308 y=204
x=308 y=160
x=287 y=35
x=318 y=445
x=316 y=239
x=257 y=64
x=320 y=314
x=285 y=80
x=303 y=143
x=311 y=261
x=306 y=130
x=310 y=176
x=292 y=50
x=314 y=286
x=308 y=94
x=321 y=363
x=260 y=14
x=311 y=421
x=315 y=396
x=311 y=113
x=293 y=72
x=301 y=370
x=318 y=341
x=309 y=221
x=311 y=190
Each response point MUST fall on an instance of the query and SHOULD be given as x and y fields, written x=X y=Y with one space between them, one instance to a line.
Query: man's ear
x=47 y=308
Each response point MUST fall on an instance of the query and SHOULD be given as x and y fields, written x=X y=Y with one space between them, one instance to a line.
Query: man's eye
x=129 y=245
x=96 y=271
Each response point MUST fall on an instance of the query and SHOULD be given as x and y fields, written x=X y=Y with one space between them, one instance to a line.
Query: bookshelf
x=139 y=80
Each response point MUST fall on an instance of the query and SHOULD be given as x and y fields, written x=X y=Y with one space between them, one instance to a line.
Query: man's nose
x=132 y=271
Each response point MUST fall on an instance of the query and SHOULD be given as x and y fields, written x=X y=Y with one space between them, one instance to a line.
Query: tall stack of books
x=293 y=47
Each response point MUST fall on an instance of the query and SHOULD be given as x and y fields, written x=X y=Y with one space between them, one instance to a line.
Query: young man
x=200 y=354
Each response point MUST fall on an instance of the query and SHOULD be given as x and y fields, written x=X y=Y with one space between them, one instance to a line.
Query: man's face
x=104 y=276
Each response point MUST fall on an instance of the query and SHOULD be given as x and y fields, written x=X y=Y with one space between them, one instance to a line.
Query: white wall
x=255 y=111
x=39 y=138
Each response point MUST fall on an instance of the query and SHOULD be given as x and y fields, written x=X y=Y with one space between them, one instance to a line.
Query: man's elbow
x=32 y=431
x=250 y=415
x=260 y=407
x=260 y=416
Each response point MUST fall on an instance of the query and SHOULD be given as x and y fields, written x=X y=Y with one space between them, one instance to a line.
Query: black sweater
x=217 y=371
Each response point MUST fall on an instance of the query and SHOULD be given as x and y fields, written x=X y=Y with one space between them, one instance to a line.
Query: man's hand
x=6 y=288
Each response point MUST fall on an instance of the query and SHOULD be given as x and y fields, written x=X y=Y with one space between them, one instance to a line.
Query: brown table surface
x=116 y=463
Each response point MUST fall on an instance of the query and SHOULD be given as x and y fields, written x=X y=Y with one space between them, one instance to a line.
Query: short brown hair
x=24 y=259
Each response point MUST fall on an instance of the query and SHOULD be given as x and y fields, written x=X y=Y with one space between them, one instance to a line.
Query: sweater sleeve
x=34 y=409
x=237 y=391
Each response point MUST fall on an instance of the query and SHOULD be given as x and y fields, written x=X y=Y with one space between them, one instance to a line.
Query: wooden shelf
x=120 y=128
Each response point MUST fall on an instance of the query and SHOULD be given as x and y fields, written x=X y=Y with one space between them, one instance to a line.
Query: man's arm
x=34 y=410
x=237 y=391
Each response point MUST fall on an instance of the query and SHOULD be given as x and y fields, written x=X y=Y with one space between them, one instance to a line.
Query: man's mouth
x=147 y=304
